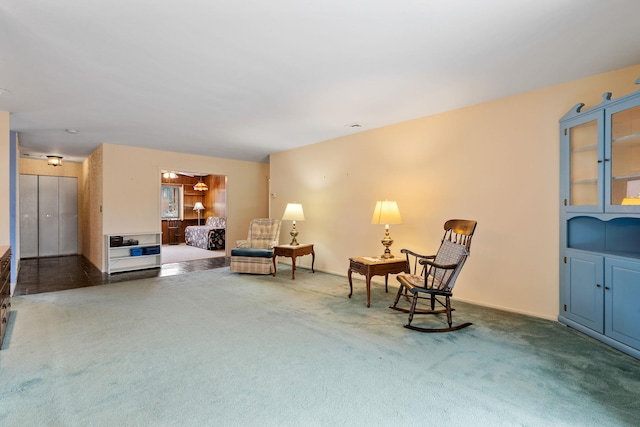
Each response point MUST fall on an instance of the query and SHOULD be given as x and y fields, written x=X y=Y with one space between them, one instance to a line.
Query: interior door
x=67 y=215
x=48 y=225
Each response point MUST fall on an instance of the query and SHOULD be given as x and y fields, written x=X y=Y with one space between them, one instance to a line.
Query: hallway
x=38 y=275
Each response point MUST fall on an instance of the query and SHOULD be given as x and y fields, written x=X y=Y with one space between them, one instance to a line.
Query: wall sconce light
x=54 y=160
x=198 y=207
x=293 y=212
x=386 y=213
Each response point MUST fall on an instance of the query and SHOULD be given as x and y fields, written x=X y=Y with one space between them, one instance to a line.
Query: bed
x=210 y=236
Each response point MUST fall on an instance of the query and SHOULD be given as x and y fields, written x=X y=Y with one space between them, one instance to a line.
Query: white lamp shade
x=198 y=206
x=386 y=212
x=293 y=212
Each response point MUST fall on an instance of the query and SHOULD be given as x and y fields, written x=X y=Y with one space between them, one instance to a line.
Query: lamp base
x=386 y=242
x=294 y=234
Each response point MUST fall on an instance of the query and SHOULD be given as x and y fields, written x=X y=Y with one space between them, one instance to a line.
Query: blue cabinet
x=600 y=221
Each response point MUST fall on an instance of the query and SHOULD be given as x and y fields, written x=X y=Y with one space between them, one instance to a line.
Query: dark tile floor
x=39 y=275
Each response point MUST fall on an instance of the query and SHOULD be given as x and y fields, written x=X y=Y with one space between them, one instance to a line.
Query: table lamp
x=294 y=213
x=386 y=212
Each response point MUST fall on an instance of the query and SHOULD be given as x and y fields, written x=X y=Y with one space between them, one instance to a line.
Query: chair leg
x=412 y=310
x=448 y=308
x=433 y=302
x=398 y=295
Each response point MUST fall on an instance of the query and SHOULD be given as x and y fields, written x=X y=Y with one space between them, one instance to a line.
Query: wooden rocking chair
x=433 y=276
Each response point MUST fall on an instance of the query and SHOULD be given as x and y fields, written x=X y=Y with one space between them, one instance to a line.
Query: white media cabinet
x=119 y=257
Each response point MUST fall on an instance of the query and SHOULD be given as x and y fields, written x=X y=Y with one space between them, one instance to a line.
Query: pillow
x=216 y=222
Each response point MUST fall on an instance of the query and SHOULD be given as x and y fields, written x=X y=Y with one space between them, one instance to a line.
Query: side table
x=293 y=252
x=374 y=266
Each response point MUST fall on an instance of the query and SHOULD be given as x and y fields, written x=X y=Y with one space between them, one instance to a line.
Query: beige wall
x=497 y=163
x=131 y=190
x=91 y=223
x=4 y=178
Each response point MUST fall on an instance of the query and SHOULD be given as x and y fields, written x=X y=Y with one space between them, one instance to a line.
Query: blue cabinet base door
x=622 y=301
x=585 y=291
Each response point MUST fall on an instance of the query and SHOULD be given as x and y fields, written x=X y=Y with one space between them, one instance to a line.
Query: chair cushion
x=252 y=252
x=417 y=283
x=449 y=253
x=264 y=233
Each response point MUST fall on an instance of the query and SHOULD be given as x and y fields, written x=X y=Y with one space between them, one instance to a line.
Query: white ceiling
x=241 y=79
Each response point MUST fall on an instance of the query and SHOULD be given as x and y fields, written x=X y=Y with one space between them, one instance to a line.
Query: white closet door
x=68 y=215
x=48 y=225
x=28 y=216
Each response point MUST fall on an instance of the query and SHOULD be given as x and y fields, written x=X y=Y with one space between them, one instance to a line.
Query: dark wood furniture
x=173 y=227
x=434 y=276
x=5 y=289
x=374 y=266
x=293 y=252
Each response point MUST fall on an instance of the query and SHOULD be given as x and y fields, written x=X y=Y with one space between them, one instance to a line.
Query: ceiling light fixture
x=54 y=160
x=200 y=186
x=71 y=131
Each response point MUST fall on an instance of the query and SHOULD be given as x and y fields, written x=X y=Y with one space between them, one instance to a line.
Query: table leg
x=274 y=265
x=350 y=285
x=293 y=267
x=313 y=260
x=368 y=290
x=386 y=283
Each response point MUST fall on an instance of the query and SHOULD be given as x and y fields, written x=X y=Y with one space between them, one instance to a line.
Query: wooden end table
x=293 y=252
x=374 y=266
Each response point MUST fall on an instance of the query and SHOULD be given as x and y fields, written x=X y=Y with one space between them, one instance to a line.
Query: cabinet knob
x=606 y=288
x=598 y=285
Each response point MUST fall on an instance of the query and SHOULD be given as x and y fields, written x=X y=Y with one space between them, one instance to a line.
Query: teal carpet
x=214 y=348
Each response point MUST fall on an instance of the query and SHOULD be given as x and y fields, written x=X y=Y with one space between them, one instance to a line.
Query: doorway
x=193 y=215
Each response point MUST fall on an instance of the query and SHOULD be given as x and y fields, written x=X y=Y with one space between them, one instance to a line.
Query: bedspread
x=210 y=236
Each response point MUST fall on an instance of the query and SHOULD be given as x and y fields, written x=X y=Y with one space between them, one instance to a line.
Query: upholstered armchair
x=254 y=255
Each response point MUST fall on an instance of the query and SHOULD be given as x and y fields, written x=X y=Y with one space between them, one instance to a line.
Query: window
x=171 y=199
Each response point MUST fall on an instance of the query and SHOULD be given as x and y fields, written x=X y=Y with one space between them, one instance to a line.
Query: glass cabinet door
x=625 y=158
x=584 y=152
